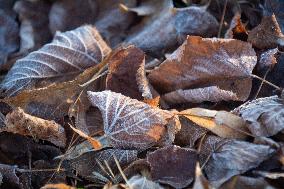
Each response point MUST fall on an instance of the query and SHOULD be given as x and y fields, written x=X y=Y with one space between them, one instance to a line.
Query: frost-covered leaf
x=138 y=182
x=82 y=12
x=221 y=123
x=24 y=124
x=267 y=34
x=34 y=31
x=127 y=73
x=212 y=93
x=264 y=116
x=267 y=59
x=173 y=165
x=69 y=54
x=129 y=123
x=224 y=159
x=166 y=28
x=204 y=62
x=9 y=36
x=92 y=165
x=9 y=177
x=200 y=181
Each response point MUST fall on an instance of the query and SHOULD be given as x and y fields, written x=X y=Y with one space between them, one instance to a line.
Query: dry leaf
x=237 y=30
x=112 y=22
x=9 y=39
x=57 y=186
x=173 y=165
x=92 y=165
x=9 y=178
x=221 y=123
x=264 y=116
x=82 y=12
x=69 y=54
x=275 y=7
x=176 y=24
x=267 y=34
x=204 y=62
x=223 y=159
x=138 y=182
x=34 y=30
x=126 y=68
x=24 y=124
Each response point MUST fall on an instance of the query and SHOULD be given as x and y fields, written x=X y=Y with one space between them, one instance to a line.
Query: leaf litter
x=141 y=94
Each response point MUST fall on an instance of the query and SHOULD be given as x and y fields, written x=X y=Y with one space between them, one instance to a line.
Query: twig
x=222 y=18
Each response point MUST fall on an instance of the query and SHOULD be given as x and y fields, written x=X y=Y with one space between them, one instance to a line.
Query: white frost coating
x=70 y=52
x=127 y=121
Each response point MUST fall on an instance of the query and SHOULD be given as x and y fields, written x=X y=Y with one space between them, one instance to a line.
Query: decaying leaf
x=69 y=54
x=24 y=124
x=267 y=34
x=264 y=116
x=9 y=178
x=138 y=182
x=204 y=62
x=82 y=12
x=237 y=30
x=34 y=31
x=275 y=7
x=221 y=123
x=9 y=39
x=173 y=165
x=126 y=72
x=57 y=186
x=223 y=159
x=176 y=24
x=94 y=165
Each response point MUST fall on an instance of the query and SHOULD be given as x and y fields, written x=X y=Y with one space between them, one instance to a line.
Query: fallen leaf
x=223 y=159
x=128 y=123
x=24 y=124
x=267 y=59
x=138 y=181
x=267 y=34
x=200 y=181
x=173 y=165
x=126 y=68
x=221 y=123
x=69 y=54
x=9 y=178
x=237 y=30
x=82 y=12
x=57 y=186
x=264 y=116
x=176 y=24
x=204 y=62
x=9 y=39
x=93 y=165
x=34 y=31
x=275 y=7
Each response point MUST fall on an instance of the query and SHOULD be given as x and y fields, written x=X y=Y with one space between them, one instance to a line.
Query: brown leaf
x=204 y=62
x=223 y=159
x=267 y=34
x=237 y=30
x=126 y=68
x=92 y=165
x=82 y=12
x=9 y=39
x=275 y=7
x=129 y=123
x=176 y=24
x=221 y=123
x=264 y=116
x=69 y=54
x=57 y=186
x=34 y=31
x=173 y=165
x=24 y=124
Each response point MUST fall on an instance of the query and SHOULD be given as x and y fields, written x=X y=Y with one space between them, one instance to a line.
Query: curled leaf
x=69 y=54
x=24 y=124
x=222 y=123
